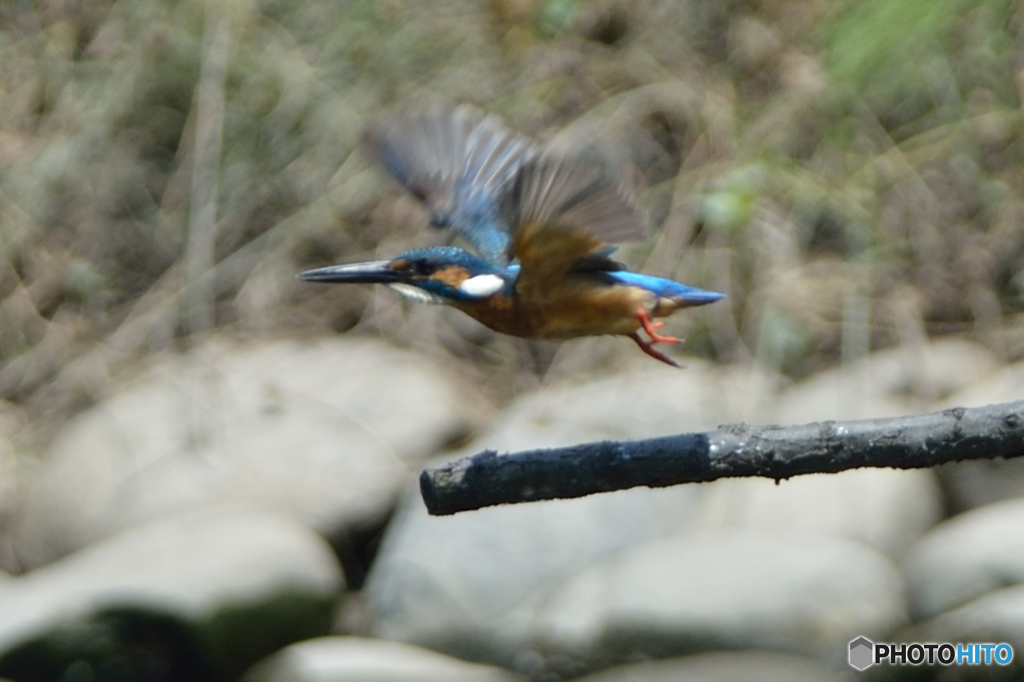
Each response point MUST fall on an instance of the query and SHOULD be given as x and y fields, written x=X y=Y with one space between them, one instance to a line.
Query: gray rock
x=1001 y=386
x=12 y=480
x=470 y=584
x=996 y=618
x=981 y=482
x=977 y=483
x=889 y=383
x=732 y=666
x=966 y=557
x=201 y=595
x=328 y=430
x=723 y=590
x=356 y=659
x=886 y=509
x=648 y=401
x=479 y=585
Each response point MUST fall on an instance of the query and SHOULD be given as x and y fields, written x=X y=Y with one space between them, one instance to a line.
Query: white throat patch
x=416 y=294
x=482 y=286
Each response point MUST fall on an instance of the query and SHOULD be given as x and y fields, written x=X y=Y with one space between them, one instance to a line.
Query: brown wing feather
x=561 y=210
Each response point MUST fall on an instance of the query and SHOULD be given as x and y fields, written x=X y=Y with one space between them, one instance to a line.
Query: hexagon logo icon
x=862 y=653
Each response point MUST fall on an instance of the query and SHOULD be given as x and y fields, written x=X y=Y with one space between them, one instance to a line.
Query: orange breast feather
x=580 y=307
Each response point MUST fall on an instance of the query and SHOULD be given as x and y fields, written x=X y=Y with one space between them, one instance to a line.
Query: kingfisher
x=543 y=226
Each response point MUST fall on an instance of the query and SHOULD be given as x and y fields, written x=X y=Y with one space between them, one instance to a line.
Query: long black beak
x=374 y=272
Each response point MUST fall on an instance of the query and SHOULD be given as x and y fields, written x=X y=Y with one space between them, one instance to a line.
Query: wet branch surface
x=776 y=452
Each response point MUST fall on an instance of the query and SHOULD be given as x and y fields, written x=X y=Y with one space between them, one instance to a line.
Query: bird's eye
x=424 y=268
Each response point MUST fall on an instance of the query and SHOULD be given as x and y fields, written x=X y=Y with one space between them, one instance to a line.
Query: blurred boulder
x=969 y=485
x=886 y=509
x=980 y=482
x=996 y=618
x=724 y=590
x=643 y=400
x=480 y=584
x=471 y=584
x=890 y=383
x=1002 y=386
x=730 y=666
x=356 y=659
x=194 y=596
x=328 y=430
x=966 y=557
x=11 y=480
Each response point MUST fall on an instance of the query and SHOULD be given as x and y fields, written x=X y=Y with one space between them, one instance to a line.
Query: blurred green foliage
x=914 y=61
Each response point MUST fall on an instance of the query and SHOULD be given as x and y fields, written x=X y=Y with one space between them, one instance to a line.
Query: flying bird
x=543 y=226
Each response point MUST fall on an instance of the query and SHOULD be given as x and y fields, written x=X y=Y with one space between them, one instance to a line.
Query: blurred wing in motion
x=563 y=212
x=459 y=163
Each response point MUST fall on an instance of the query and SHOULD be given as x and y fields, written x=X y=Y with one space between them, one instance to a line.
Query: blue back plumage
x=439 y=256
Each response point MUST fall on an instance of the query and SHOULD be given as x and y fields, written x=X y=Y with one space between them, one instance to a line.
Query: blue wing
x=459 y=163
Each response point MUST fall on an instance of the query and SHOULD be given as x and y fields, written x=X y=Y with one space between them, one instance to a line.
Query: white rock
x=997 y=618
x=724 y=590
x=886 y=509
x=328 y=430
x=731 y=666
x=12 y=480
x=980 y=482
x=890 y=383
x=470 y=584
x=233 y=584
x=475 y=584
x=357 y=659
x=648 y=401
x=966 y=557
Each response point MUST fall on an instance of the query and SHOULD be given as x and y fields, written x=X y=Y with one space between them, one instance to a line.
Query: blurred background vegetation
x=850 y=172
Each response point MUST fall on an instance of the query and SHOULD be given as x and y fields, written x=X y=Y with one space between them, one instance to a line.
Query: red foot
x=647 y=346
x=649 y=327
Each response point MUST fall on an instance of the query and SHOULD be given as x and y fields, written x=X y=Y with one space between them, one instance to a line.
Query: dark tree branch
x=776 y=452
